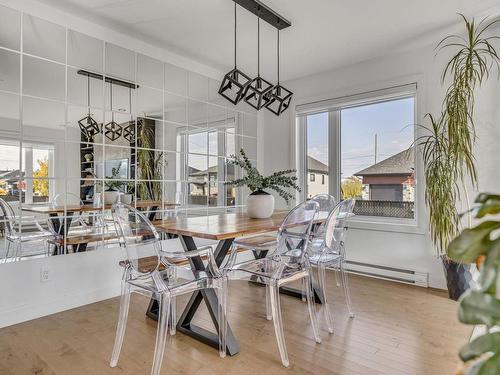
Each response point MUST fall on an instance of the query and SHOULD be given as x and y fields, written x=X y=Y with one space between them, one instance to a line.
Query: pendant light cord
x=88 y=92
x=278 y=56
x=111 y=101
x=235 y=35
x=258 y=46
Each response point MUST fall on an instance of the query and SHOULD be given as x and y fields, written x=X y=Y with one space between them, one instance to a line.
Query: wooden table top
x=220 y=227
x=51 y=209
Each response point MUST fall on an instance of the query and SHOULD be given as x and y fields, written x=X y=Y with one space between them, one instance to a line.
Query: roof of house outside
x=402 y=163
x=314 y=165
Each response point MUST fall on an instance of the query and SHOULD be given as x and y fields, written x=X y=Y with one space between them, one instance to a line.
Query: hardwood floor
x=398 y=329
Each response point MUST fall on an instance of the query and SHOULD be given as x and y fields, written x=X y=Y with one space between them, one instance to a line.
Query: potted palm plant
x=260 y=204
x=448 y=147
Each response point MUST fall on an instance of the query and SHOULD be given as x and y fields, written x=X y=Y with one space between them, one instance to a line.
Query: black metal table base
x=185 y=324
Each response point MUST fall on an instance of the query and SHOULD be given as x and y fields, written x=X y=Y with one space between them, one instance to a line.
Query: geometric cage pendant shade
x=234 y=86
x=258 y=93
x=279 y=99
x=89 y=126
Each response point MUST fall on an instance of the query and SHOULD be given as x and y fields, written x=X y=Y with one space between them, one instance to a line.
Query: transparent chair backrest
x=138 y=237
x=337 y=224
x=326 y=203
x=62 y=199
x=9 y=217
x=296 y=227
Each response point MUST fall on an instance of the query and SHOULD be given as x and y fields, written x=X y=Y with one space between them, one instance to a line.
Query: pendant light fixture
x=259 y=88
x=112 y=130
x=88 y=126
x=129 y=130
x=279 y=97
x=234 y=84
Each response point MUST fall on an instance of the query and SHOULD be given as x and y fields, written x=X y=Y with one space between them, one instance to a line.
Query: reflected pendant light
x=279 y=97
x=112 y=130
x=88 y=126
x=129 y=130
x=258 y=89
x=234 y=84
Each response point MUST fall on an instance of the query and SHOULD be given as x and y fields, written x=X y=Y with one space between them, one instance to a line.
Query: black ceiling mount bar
x=264 y=13
x=114 y=81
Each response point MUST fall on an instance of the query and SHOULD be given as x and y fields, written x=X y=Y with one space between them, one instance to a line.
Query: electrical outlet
x=45 y=275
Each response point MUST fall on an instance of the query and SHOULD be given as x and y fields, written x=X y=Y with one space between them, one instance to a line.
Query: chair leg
x=17 y=251
x=278 y=323
x=173 y=316
x=337 y=275
x=345 y=285
x=222 y=294
x=173 y=307
x=161 y=333
x=312 y=308
x=326 y=304
x=122 y=324
x=7 y=252
x=269 y=314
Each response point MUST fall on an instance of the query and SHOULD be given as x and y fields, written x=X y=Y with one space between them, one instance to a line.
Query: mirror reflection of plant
x=150 y=166
x=481 y=305
x=112 y=182
x=448 y=149
x=278 y=181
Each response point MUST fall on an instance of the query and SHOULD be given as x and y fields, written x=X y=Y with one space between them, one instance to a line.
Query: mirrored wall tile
x=197 y=167
x=197 y=86
x=172 y=164
x=120 y=62
x=113 y=129
x=197 y=114
x=150 y=103
x=84 y=90
x=44 y=39
x=9 y=115
x=85 y=52
x=213 y=93
x=43 y=118
x=46 y=157
x=120 y=98
x=175 y=109
x=10 y=28
x=84 y=124
x=43 y=78
x=216 y=115
x=10 y=63
x=176 y=80
x=197 y=142
x=149 y=72
x=172 y=136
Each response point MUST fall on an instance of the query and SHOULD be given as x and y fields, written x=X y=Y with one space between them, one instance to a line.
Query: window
x=28 y=179
x=312 y=177
x=367 y=140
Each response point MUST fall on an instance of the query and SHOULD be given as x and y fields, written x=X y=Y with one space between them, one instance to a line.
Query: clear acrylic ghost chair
x=288 y=263
x=330 y=252
x=148 y=273
x=79 y=221
x=15 y=234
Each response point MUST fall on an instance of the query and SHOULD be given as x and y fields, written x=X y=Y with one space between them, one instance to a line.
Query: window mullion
x=334 y=154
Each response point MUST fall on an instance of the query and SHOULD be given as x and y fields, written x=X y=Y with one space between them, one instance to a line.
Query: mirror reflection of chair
x=330 y=252
x=288 y=263
x=147 y=272
x=21 y=230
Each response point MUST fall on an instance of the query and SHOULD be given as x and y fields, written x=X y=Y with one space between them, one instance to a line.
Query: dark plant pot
x=458 y=278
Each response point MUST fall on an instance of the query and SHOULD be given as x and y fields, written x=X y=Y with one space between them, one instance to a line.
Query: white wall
x=390 y=247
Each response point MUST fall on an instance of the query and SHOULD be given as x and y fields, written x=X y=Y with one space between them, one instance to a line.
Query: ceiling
x=325 y=34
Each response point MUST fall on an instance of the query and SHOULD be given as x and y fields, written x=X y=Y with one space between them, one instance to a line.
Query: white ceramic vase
x=111 y=196
x=125 y=198
x=260 y=205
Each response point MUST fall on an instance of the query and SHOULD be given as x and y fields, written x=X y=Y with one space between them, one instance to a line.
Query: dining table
x=61 y=216
x=223 y=228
